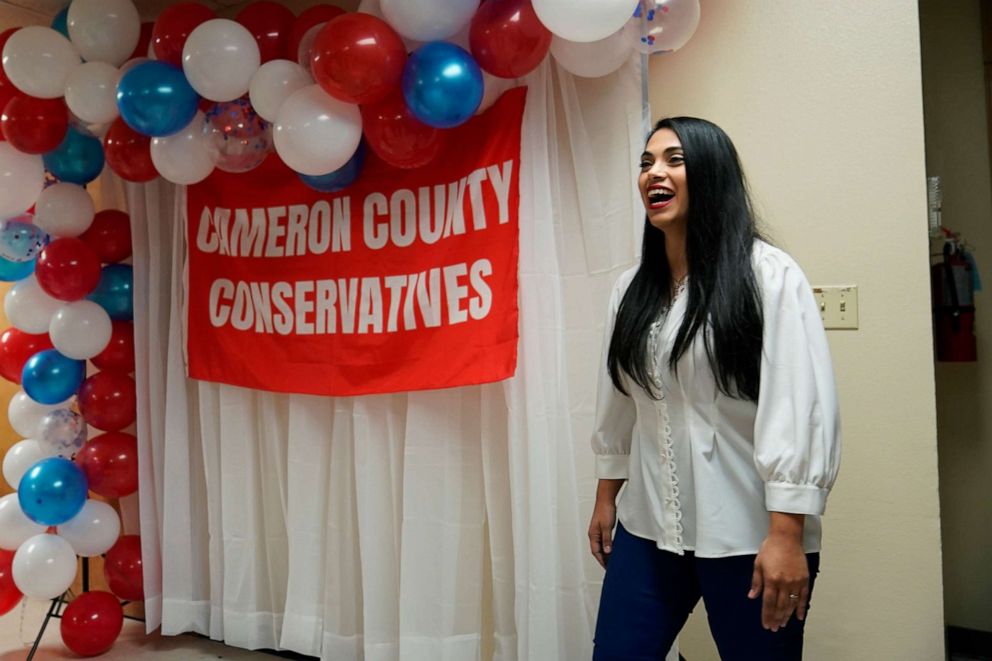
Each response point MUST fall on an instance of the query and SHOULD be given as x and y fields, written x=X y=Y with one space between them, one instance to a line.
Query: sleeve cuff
x=612 y=466
x=795 y=498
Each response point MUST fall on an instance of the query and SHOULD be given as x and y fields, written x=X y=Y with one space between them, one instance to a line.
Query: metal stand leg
x=55 y=611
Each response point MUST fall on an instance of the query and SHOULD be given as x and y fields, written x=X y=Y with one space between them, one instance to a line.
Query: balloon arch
x=176 y=99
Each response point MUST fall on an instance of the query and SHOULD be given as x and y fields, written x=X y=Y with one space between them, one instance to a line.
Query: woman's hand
x=781 y=572
x=604 y=518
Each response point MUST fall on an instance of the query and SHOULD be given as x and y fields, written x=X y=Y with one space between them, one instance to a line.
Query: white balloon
x=93 y=531
x=592 y=59
x=25 y=414
x=133 y=62
x=273 y=83
x=38 y=60
x=186 y=157
x=44 y=566
x=316 y=133
x=20 y=458
x=81 y=329
x=219 y=59
x=64 y=209
x=22 y=176
x=429 y=20
x=584 y=20
x=370 y=7
x=91 y=92
x=15 y=526
x=104 y=30
x=29 y=308
x=305 y=51
x=97 y=131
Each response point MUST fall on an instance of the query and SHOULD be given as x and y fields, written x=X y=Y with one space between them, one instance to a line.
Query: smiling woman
x=718 y=410
x=662 y=181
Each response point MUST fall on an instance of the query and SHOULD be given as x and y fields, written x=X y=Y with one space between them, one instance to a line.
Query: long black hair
x=723 y=296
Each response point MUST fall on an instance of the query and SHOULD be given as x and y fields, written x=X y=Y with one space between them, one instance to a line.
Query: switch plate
x=838 y=306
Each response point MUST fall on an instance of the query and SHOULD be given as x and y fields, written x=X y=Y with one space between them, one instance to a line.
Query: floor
x=19 y=627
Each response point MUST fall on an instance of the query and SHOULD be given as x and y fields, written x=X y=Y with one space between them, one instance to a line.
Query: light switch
x=838 y=306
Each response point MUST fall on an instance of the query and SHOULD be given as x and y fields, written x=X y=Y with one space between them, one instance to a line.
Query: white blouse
x=703 y=469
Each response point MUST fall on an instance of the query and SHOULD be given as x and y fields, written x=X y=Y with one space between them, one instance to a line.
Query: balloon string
x=24 y=608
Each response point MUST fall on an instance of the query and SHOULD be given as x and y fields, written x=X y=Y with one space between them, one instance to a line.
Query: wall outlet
x=838 y=306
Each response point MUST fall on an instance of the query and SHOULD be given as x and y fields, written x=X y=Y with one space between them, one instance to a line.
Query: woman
x=719 y=413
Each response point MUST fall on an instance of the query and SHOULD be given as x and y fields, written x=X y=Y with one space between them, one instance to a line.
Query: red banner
x=406 y=280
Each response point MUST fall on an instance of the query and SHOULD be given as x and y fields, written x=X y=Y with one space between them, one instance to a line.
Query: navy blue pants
x=648 y=595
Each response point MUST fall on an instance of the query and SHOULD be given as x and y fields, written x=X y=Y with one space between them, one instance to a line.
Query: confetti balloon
x=20 y=239
x=662 y=26
x=241 y=137
x=62 y=433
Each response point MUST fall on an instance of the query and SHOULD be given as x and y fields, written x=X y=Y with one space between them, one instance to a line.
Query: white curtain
x=437 y=526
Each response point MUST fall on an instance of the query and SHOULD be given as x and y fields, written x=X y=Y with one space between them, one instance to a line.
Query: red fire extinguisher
x=953 y=293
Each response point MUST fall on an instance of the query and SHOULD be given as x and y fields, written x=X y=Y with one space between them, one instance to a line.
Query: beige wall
x=823 y=100
x=957 y=150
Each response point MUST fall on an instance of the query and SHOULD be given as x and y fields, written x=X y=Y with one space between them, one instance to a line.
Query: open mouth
x=658 y=198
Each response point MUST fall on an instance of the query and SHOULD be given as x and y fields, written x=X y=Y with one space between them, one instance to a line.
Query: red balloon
x=109 y=236
x=10 y=596
x=68 y=269
x=507 y=38
x=305 y=21
x=358 y=58
x=110 y=463
x=92 y=622
x=16 y=347
x=119 y=354
x=173 y=27
x=7 y=92
x=270 y=24
x=107 y=401
x=129 y=153
x=122 y=569
x=144 y=40
x=398 y=137
x=34 y=126
x=4 y=36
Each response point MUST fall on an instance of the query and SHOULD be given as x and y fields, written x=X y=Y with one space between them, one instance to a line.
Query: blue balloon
x=78 y=160
x=14 y=271
x=442 y=84
x=50 y=377
x=61 y=23
x=114 y=291
x=155 y=99
x=341 y=178
x=20 y=239
x=52 y=491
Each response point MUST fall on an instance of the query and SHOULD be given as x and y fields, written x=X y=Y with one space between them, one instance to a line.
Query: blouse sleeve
x=615 y=412
x=797 y=428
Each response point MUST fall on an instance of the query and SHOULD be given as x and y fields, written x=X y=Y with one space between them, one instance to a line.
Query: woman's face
x=662 y=181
